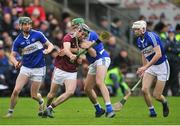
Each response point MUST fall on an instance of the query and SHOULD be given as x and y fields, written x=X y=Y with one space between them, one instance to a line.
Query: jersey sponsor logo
x=27 y=41
x=32 y=48
x=148 y=51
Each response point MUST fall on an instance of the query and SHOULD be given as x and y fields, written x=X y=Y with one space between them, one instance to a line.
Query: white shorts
x=34 y=74
x=103 y=61
x=59 y=76
x=161 y=71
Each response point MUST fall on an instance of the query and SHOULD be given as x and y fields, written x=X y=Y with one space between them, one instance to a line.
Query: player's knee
x=156 y=95
x=16 y=92
x=144 y=90
x=70 y=92
x=87 y=89
x=99 y=82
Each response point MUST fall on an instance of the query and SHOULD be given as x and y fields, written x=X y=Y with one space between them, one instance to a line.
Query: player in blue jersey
x=155 y=66
x=99 y=61
x=30 y=43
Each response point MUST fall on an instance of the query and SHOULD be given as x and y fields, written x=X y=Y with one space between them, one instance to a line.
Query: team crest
x=33 y=39
x=27 y=41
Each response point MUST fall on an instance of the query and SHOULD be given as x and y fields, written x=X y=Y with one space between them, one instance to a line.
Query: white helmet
x=139 y=25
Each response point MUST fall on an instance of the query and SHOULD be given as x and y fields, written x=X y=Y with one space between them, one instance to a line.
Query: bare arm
x=92 y=52
x=50 y=47
x=87 y=45
x=156 y=57
x=67 y=50
x=74 y=50
x=144 y=61
x=16 y=63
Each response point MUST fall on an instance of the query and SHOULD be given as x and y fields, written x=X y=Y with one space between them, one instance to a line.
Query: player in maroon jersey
x=65 y=71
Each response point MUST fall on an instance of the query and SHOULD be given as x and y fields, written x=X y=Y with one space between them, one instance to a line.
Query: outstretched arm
x=50 y=47
x=89 y=47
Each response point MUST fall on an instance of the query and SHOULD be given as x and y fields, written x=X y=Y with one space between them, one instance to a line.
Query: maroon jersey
x=63 y=62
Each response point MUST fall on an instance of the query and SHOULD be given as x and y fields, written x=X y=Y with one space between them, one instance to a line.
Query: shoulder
x=153 y=38
x=36 y=32
x=68 y=37
x=93 y=35
x=18 y=38
x=151 y=35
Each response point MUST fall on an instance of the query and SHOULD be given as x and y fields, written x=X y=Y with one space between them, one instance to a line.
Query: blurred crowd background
x=53 y=18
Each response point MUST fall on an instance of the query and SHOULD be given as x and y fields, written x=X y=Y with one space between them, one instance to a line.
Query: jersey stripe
x=153 y=38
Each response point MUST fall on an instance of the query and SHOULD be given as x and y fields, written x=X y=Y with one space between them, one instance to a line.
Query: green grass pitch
x=79 y=111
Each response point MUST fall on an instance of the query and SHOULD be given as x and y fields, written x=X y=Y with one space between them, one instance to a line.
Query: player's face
x=137 y=31
x=26 y=27
x=82 y=35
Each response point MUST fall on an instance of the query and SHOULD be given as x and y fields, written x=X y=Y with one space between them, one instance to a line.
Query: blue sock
x=97 y=107
x=109 y=108
x=152 y=110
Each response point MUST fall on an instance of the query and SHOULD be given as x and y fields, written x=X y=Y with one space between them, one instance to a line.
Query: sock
x=40 y=101
x=123 y=101
x=97 y=107
x=10 y=111
x=152 y=110
x=50 y=107
x=164 y=101
x=109 y=107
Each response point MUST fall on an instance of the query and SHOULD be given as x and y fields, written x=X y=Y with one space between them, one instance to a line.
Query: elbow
x=94 y=55
x=159 y=55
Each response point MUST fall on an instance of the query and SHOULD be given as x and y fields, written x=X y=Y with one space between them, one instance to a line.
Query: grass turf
x=79 y=111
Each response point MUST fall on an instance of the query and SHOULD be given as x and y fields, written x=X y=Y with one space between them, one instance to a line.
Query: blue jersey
x=100 y=51
x=31 y=48
x=147 y=44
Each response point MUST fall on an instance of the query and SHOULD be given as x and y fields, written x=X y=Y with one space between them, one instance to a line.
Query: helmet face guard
x=84 y=28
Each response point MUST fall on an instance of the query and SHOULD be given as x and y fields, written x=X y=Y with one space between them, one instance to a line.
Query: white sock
x=10 y=110
x=152 y=107
x=108 y=103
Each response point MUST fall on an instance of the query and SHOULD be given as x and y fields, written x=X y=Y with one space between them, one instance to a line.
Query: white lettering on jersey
x=32 y=48
x=148 y=51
